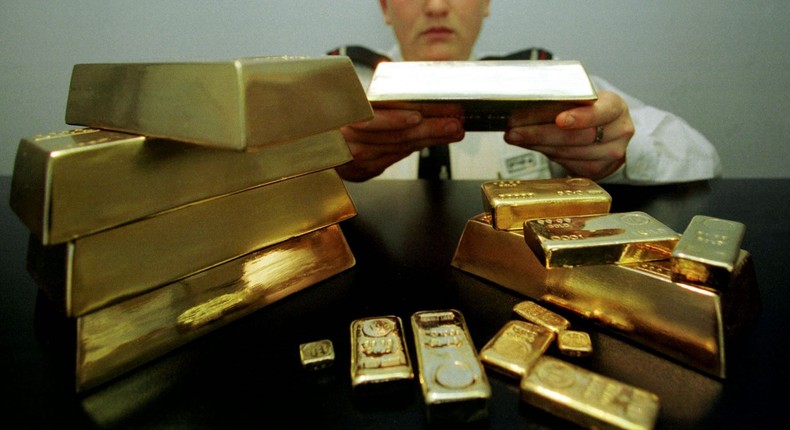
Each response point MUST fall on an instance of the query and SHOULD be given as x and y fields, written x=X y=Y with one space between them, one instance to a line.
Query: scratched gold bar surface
x=541 y=316
x=73 y=183
x=689 y=323
x=123 y=336
x=588 y=399
x=516 y=347
x=378 y=352
x=513 y=202
x=708 y=251
x=238 y=104
x=485 y=94
x=94 y=271
x=627 y=237
x=454 y=384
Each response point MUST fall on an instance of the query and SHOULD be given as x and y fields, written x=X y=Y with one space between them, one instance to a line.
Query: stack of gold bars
x=687 y=296
x=200 y=193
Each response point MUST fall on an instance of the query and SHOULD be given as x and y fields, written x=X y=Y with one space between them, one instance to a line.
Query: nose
x=436 y=7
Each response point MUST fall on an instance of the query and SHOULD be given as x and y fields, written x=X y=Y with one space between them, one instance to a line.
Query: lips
x=437 y=31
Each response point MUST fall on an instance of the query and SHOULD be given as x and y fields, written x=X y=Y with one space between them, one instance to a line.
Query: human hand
x=573 y=139
x=392 y=135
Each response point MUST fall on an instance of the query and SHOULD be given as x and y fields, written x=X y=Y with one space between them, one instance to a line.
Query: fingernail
x=514 y=137
x=451 y=127
x=568 y=121
x=413 y=119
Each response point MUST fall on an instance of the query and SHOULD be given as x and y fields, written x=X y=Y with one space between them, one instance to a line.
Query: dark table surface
x=248 y=372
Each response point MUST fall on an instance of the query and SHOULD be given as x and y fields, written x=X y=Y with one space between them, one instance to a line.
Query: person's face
x=435 y=30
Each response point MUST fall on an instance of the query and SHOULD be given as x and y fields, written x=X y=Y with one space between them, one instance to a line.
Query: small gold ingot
x=574 y=343
x=541 y=316
x=378 y=353
x=317 y=355
x=588 y=399
x=708 y=251
x=628 y=237
x=454 y=384
x=516 y=347
x=511 y=203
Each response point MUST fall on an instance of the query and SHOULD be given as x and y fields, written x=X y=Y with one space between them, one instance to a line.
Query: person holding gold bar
x=616 y=139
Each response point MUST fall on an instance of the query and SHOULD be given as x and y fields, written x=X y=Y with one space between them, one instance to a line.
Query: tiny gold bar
x=317 y=355
x=516 y=347
x=240 y=104
x=380 y=361
x=77 y=182
x=588 y=399
x=628 y=237
x=123 y=336
x=541 y=316
x=513 y=202
x=484 y=94
x=708 y=251
x=94 y=271
x=691 y=324
x=574 y=343
x=454 y=384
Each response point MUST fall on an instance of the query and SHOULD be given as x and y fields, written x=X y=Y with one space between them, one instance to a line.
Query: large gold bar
x=121 y=337
x=454 y=384
x=516 y=347
x=622 y=238
x=689 y=323
x=513 y=202
x=708 y=251
x=484 y=94
x=74 y=183
x=240 y=104
x=588 y=399
x=94 y=271
x=379 y=356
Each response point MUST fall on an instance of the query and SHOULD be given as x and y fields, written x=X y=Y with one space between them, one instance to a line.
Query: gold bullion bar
x=708 y=251
x=588 y=399
x=513 y=202
x=541 y=316
x=574 y=343
x=516 y=347
x=454 y=384
x=94 y=271
x=123 y=336
x=317 y=355
x=627 y=237
x=689 y=323
x=379 y=356
x=240 y=104
x=485 y=94
x=69 y=184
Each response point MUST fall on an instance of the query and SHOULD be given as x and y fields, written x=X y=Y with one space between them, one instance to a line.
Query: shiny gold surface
x=628 y=237
x=689 y=323
x=454 y=384
x=574 y=343
x=241 y=104
x=588 y=399
x=513 y=202
x=317 y=355
x=485 y=94
x=708 y=251
x=118 y=338
x=378 y=352
x=541 y=316
x=94 y=271
x=70 y=184
x=516 y=347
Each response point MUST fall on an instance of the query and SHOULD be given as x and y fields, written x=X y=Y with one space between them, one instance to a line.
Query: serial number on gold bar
x=453 y=381
x=708 y=251
x=587 y=398
x=510 y=203
x=378 y=352
x=541 y=316
x=516 y=347
x=627 y=237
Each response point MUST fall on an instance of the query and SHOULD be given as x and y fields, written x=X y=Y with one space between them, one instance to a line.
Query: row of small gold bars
x=196 y=194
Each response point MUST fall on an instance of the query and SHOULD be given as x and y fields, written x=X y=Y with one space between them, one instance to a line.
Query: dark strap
x=435 y=163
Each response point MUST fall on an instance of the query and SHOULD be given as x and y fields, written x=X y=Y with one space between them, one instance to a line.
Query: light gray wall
x=721 y=64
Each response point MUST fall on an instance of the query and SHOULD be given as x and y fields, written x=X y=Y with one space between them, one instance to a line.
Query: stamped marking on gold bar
x=588 y=399
x=541 y=316
x=317 y=355
x=627 y=237
x=708 y=251
x=378 y=351
x=454 y=384
x=516 y=347
x=574 y=343
x=510 y=203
